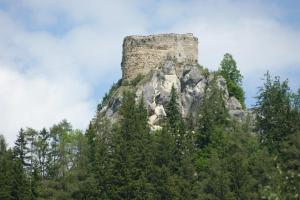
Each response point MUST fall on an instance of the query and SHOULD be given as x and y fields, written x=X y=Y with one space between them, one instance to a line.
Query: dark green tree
x=42 y=147
x=233 y=78
x=101 y=171
x=172 y=110
x=131 y=158
x=164 y=162
x=273 y=113
x=215 y=179
x=20 y=181
x=6 y=173
x=91 y=138
x=21 y=149
x=212 y=115
x=3 y=144
x=34 y=182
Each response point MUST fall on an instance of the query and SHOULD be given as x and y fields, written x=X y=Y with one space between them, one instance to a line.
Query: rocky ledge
x=155 y=83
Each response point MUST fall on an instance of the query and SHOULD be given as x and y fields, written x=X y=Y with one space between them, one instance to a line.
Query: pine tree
x=233 y=78
x=2 y=144
x=42 y=145
x=215 y=179
x=91 y=138
x=130 y=158
x=164 y=150
x=20 y=181
x=5 y=171
x=172 y=110
x=34 y=182
x=290 y=166
x=21 y=149
x=175 y=155
x=212 y=115
x=101 y=171
x=273 y=113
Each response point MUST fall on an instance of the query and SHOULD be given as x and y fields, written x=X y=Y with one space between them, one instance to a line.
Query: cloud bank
x=58 y=57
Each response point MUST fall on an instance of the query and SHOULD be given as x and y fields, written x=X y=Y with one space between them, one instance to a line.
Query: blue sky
x=59 y=57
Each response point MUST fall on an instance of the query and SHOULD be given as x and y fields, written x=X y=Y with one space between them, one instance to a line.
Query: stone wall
x=141 y=54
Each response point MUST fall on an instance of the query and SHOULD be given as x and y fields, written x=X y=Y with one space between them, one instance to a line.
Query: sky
x=59 y=57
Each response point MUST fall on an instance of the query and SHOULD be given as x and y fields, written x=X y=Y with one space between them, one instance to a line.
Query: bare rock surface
x=163 y=61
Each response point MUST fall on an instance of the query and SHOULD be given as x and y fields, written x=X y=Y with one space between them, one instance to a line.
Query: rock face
x=166 y=60
x=141 y=54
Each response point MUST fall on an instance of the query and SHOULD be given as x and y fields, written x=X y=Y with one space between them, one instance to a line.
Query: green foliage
x=6 y=173
x=233 y=78
x=21 y=149
x=278 y=128
x=20 y=182
x=289 y=165
x=172 y=109
x=204 y=70
x=209 y=157
x=131 y=158
x=212 y=114
x=273 y=113
x=108 y=95
x=137 y=79
x=134 y=81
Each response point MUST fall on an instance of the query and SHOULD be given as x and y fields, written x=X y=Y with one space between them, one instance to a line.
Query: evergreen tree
x=101 y=171
x=164 y=163
x=20 y=181
x=174 y=157
x=273 y=113
x=2 y=144
x=34 y=182
x=21 y=149
x=213 y=114
x=215 y=179
x=42 y=145
x=130 y=159
x=91 y=138
x=233 y=78
x=6 y=173
x=210 y=157
x=172 y=110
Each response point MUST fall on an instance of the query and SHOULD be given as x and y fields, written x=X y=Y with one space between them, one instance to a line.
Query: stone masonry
x=141 y=54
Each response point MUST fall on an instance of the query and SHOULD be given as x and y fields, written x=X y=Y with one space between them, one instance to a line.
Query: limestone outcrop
x=163 y=61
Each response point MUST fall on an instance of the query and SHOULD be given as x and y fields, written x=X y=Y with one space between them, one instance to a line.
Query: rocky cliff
x=151 y=65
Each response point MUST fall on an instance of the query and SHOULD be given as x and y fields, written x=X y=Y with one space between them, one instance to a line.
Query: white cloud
x=250 y=30
x=36 y=102
x=45 y=77
x=53 y=52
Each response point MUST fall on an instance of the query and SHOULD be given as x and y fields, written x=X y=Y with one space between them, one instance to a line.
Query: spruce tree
x=21 y=149
x=172 y=110
x=101 y=171
x=20 y=181
x=42 y=145
x=233 y=78
x=6 y=173
x=273 y=113
x=91 y=138
x=130 y=158
x=164 y=163
x=212 y=114
x=34 y=182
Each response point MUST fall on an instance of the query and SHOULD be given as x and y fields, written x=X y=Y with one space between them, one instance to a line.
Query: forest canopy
x=210 y=156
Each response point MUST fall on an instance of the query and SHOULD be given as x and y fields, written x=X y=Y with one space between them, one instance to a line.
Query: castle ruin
x=141 y=54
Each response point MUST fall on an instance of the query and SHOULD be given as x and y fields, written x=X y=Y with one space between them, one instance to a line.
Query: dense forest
x=207 y=156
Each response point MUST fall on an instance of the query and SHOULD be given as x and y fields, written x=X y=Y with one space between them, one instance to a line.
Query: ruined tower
x=141 y=54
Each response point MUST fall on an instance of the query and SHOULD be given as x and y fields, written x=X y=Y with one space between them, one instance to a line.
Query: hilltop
x=151 y=65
